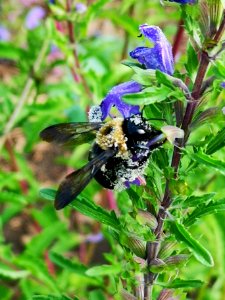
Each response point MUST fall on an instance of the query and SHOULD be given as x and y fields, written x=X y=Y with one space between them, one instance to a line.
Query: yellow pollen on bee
x=111 y=135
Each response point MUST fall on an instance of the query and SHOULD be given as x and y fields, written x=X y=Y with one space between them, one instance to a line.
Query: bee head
x=137 y=128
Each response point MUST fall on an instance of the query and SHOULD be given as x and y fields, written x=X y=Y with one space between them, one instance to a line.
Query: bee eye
x=141 y=131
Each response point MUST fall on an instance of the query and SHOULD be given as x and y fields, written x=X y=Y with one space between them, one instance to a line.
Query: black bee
x=119 y=154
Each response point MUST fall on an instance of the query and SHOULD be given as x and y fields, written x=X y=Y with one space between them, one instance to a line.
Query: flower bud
x=167 y=249
x=211 y=12
x=166 y=295
x=157 y=266
x=176 y=260
x=127 y=296
x=172 y=133
x=146 y=218
x=136 y=245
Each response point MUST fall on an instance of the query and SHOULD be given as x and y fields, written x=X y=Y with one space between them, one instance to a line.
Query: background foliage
x=72 y=254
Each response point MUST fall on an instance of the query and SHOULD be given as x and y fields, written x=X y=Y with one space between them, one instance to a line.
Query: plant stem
x=178 y=38
x=76 y=71
x=187 y=119
x=25 y=93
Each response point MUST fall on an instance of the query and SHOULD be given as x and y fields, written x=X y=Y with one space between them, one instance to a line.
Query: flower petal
x=159 y=57
x=33 y=18
x=183 y=1
x=172 y=133
x=113 y=98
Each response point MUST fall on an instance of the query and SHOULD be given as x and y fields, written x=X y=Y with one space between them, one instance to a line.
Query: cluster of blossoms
x=159 y=57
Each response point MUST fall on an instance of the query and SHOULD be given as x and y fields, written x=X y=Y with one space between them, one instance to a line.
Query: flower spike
x=159 y=57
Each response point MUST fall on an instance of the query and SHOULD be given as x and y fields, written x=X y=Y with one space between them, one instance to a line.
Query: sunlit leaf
x=211 y=208
x=199 y=251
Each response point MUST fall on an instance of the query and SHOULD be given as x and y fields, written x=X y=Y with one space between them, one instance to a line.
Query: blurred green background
x=41 y=249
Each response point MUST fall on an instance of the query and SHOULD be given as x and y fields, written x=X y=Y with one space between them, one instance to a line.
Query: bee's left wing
x=71 y=133
x=75 y=182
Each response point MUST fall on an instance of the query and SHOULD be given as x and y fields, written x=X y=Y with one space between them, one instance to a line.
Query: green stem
x=25 y=93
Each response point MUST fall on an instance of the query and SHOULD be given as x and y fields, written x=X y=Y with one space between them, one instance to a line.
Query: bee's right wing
x=71 y=133
x=75 y=182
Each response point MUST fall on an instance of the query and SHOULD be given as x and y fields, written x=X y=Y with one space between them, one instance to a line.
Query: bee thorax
x=111 y=135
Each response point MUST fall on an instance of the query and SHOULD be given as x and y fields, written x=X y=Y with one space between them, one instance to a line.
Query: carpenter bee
x=118 y=156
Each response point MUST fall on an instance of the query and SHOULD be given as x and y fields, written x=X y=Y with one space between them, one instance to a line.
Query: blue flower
x=113 y=99
x=81 y=8
x=34 y=17
x=4 y=34
x=160 y=56
x=223 y=85
x=184 y=1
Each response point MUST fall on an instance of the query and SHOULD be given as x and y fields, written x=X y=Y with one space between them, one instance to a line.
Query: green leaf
x=216 y=142
x=149 y=95
x=96 y=212
x=41 y=242
x=12 y=274
x=194 y=201
x=104 y=270
x=96 y=295
x=209 y=161
x=200 y=253
x=179 y=283
x=88 y=208
x=48 y=194
x=211 y=208
x=66 y=263
x=50 y=297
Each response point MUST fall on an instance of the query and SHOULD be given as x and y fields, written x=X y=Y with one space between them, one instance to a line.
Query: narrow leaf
x=217 y=142
x=13 y=274
x=200 y=252
x=66 y=263
x=211 y=208
x=104 y=270
x=194 y=201
x=87 y=208
x=48 y=194
x=179 y=283
x=209 y=161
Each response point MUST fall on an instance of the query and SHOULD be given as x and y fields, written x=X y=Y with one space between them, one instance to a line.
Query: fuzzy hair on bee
x=118 y=155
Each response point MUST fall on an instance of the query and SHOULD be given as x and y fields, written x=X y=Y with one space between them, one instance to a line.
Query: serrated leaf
x=66 y=263
x=179 y=283
x=211 y=208
x=199 y=251
x=96 y=212
x=148 y=96
x=88 y=208
x=216 y=143
x=104 y=270
x=209 y=161
x=194 y=201
x=13 y=274
x=41 y=242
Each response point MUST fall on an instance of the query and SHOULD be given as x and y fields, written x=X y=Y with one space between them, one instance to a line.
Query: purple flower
x=34 y=17
x=81 y=8
x=223 y=85
x=95 y=238
x=184 y=1
x=158 y=57
x=113 y=98
x=4 y=34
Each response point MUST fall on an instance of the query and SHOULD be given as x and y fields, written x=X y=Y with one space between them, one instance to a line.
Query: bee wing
x=70 y=133
x=75 y=182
